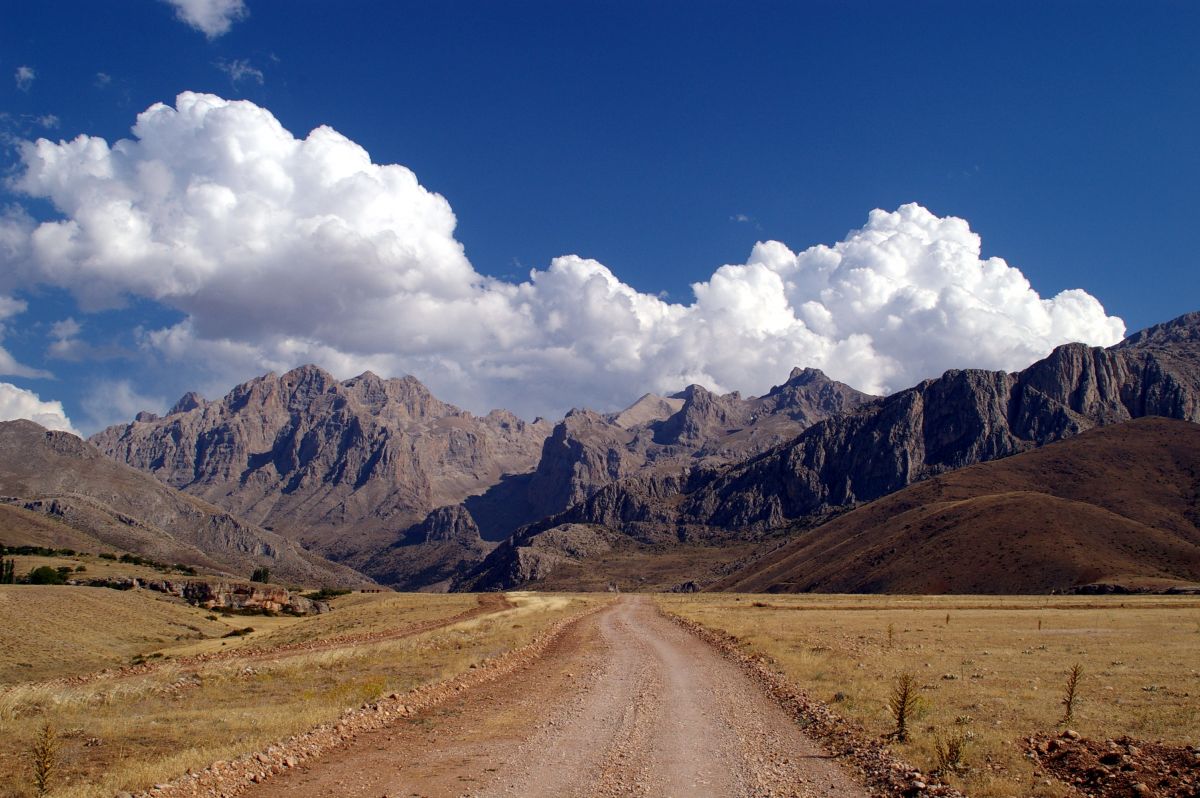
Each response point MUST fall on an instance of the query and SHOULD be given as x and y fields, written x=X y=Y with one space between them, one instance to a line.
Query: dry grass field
x=130 y=732
x=51 y=632
x=990 y=670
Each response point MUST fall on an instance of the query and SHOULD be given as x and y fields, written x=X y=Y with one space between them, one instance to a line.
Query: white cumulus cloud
x=282 y=250
x=18 y=403
x=211 y=17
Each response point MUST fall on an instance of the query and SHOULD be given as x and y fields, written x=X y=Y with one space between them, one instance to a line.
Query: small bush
x=951 y=752
x=104 y=555
x=245 y=630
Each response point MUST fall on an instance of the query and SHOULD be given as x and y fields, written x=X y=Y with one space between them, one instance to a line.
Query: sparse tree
x=261 y=574
x=8 y=572
x=1071 y=693
x=903 y=704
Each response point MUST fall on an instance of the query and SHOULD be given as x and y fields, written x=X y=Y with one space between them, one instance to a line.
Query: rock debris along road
x=625 y=703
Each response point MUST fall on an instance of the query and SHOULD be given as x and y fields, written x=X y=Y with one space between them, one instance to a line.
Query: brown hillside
x=69 y=481
x=1114 y=505
x=20 y=527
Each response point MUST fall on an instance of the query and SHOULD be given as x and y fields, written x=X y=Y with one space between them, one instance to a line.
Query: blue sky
x=661 y=140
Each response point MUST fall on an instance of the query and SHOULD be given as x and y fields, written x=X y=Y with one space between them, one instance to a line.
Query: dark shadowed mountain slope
x=1118 y=505
x=61 y=476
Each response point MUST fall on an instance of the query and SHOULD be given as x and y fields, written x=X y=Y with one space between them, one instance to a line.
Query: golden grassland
x=131 y=732
x=47 y=632
x=991 y=669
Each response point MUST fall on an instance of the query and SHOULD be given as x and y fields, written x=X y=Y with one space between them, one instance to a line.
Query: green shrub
x=261 y=574
x=45 y=575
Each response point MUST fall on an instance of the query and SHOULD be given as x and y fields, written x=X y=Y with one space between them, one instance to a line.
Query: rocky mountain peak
x=188 y=402
x=703 y=416
x=403 y=397
x=1181 y=330
x=806 y=376
x=649 y=408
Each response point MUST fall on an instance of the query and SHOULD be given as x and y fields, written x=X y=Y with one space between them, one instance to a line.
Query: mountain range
x=380 y=476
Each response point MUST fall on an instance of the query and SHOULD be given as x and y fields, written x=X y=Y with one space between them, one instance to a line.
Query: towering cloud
x=282 y=250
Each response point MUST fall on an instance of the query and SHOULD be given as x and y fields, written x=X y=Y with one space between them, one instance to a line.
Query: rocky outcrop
x=345 y=468
x=530 y=558
x=69 y=480
x=239 y=596
x=430 y=555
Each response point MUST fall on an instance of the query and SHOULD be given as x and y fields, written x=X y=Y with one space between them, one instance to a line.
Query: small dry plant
x=903 y=704
x=891 y=635
x=43 y=758
x=1071 y=693
x=951 y=752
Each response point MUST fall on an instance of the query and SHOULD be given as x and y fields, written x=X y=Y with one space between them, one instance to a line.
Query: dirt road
x=626 y=704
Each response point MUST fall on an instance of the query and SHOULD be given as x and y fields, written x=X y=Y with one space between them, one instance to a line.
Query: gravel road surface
x=625 y=703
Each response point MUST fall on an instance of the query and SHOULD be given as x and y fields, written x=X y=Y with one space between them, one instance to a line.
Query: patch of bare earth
x=1119 y=768
x=618 y=703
